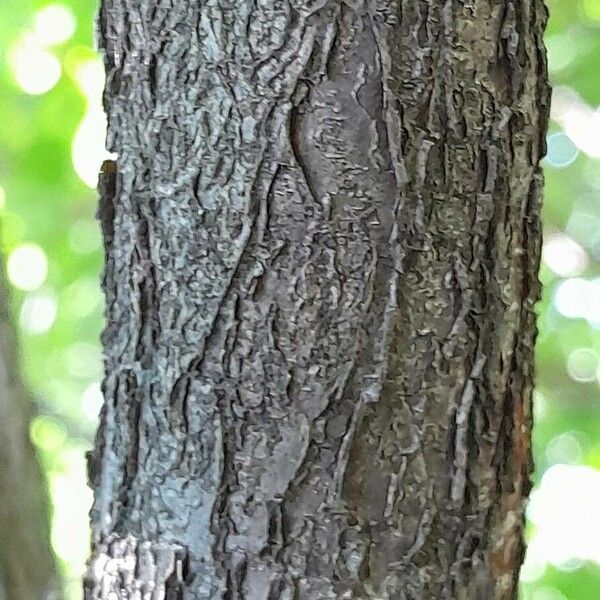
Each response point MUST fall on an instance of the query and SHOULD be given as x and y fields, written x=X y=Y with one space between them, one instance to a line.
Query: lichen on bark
x=322 y=238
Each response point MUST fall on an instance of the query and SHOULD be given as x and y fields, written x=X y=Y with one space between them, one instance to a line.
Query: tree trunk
x=322 y=239
x=27 y=568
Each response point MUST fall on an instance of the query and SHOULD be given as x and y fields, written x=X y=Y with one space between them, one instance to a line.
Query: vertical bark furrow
x=321 y=271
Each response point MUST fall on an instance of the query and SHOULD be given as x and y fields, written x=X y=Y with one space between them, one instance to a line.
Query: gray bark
x=27 y=568
x=322 y=240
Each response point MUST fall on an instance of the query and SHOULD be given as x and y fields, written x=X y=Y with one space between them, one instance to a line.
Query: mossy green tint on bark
x=322 y=237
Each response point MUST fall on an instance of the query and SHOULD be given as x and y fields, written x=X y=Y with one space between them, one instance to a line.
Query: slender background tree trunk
x=27 y=568
x=322 y=240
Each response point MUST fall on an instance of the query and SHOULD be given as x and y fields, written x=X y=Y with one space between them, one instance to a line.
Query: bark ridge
x=322 y=238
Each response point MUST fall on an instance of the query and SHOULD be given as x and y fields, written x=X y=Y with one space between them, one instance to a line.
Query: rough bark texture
x=322 y=240
x=27 y=569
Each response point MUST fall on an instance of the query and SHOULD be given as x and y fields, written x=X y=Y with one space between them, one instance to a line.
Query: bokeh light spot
x=89 y=75
x=564 y=510
x=579 y=298
x=38 y=313
x=91 y=400
x=582 y=365
x=47 y=433
x=564 y=449
x=54 y=24
x=35 y=69
x=88 y=151
x=27 y=267
x=560 y=51
x=564 y=256
x=562 y=152
x=72 y=500
x=580 y=124
x=88 y=147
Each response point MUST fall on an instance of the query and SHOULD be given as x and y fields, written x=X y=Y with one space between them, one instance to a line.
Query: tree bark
x=27 y=567
x=322 y=240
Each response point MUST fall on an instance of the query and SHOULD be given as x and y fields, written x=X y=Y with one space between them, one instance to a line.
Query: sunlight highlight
x=27 y=267
x=564 y=256
x=91 y=401
x=72 y=499
x=35 y=69
x=564 y=510
x=38 y=313
x=578 y=298
x=54 y=24
x=579 y=121
x=88 y=147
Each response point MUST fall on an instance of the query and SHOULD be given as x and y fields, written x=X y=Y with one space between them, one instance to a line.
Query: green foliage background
x=44 y=202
